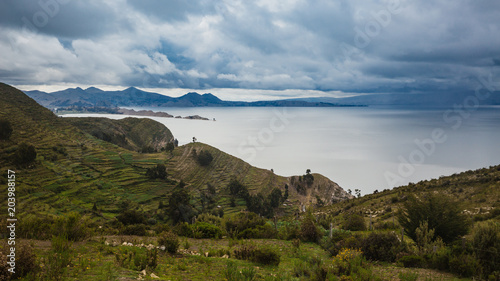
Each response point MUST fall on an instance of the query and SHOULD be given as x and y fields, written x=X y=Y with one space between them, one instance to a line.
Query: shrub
x=240 y=222
x=308 y=229
x=244 y=251
x=58 y=258
x=206 y=230
x=288 y=230
x=411 y=261
x=135 y=229
x=262 y=255
x=381 y=246
x=25 y=261
x=347 y=261
x=465 y=265
x=486 y=244
x=131 y=217
x=266 y=256
x=355 y=222
x=439 y=260
x=136 y=258
x=184 y=229
x=35 y=227
x=441 y=213
x=157 y=172
x=145 y=260
x=209 y=218
x=25 y=154
x=170 y=241
x=179 y=206
x=73 y=226
x=5 y=129
x=205 y=158
x=386 y=225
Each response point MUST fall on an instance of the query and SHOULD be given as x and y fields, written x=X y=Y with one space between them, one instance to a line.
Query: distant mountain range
x=134 y=97
x=438 y=99
x=92 y=96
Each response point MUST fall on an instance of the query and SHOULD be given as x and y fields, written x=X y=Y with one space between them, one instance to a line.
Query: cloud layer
x=359 y=46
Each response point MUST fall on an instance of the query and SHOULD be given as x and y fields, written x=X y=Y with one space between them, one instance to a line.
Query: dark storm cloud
x=352 y=46
x=66 y=19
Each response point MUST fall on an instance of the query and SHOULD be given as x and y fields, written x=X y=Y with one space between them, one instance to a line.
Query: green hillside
x=477 y=192
x=130 y=133
x=74 y=169
x=108 y=211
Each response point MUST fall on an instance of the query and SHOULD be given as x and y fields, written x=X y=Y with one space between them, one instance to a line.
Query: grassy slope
x=92 y=170
x=129 y=133
x=477 y=191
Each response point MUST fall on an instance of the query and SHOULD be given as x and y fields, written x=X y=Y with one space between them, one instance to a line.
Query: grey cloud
x=66 y=19
x=272 y=44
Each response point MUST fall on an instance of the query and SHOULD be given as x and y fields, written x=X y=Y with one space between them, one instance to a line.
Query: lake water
x=364 y=148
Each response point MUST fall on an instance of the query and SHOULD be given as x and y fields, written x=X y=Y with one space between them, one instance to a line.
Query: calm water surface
x=367 y=148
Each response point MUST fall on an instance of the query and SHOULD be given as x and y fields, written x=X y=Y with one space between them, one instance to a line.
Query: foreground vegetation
x=246 y=246
x=105 y=202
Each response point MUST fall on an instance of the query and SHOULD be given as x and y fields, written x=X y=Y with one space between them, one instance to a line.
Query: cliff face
x=317 y=190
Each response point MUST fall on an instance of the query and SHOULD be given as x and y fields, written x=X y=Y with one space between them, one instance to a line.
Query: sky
x=248 y=50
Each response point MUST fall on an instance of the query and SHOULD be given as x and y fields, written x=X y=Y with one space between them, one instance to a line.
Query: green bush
x=157 y=172
x=381 y=246
x=25 y=154
x=5 y=129
x=25 y=260
x=308 y=229
x=439 y=260
x=209 y=218
x=73 y=226
x=334 y=246
x=266 y=256
x=135 y=229
x=288 y=230
x=146 y=260
x=179 y=207
x=248 y=233
x=441 y=213
x=388 y=225
x=486 y=244
x=262 y=255
x=244 y=251
x=355 y=222
x=465 y=265
x=206 y=230
x=35 y=227
x=184 y=229
x=240 y=222
x=170 y=241
x=205 y=158
x=411 y=261
x=58 y=258
x=136 y=258
x=131 y=217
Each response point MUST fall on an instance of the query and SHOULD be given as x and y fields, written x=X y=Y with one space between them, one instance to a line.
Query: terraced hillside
x=477 y=192
x=74 y=170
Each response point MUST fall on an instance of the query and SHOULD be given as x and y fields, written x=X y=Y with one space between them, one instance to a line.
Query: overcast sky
x=325 y=47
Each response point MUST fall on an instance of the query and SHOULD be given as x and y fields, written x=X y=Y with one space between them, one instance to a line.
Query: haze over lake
x=367 y=148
